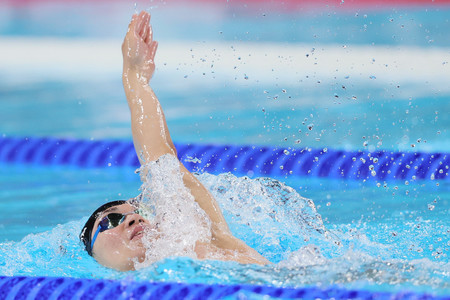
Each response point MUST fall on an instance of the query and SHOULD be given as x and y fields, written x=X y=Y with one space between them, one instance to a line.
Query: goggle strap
x=95 y=237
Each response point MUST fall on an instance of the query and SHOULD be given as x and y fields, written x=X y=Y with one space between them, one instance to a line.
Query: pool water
x=396 y=241
x=382 y=235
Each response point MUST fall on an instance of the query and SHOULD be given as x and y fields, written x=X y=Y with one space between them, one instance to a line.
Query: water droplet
x=328 y=203
x=310 y=126
x=375 y=160
x=221 y=189
x=431 y=206
x=372 y=77
x=373 y=173
x=286 y=152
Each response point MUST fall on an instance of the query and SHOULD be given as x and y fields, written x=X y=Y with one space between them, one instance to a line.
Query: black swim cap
x=86 y=232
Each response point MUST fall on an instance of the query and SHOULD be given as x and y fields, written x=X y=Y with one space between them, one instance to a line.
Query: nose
x=132 y=219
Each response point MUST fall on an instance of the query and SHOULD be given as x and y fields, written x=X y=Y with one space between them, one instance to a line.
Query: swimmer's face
x=120 y=247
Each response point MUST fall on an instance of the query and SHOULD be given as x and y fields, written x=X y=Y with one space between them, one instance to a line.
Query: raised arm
x=150 y=133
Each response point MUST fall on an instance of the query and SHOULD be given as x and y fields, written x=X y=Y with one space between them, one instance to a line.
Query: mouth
x=137 y=233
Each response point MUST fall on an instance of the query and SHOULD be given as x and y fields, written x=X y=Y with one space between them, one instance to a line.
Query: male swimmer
x=114 y=232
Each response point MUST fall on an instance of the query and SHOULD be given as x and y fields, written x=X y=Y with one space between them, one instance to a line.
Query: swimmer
x=113 y=233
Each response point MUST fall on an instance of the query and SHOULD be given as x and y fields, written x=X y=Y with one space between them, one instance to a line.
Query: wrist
x=131 y=77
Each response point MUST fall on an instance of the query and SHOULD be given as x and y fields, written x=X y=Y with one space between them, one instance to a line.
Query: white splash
x=179 y=219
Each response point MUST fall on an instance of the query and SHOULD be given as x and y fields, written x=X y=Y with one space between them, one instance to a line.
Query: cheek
x=113 y=243
x=111 y=239
x=110 y=247
x=115 y=251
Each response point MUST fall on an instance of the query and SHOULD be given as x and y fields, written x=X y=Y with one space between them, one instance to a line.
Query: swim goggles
x=110 y=221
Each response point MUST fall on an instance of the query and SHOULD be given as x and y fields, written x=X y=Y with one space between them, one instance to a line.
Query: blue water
x=218 y=116
x=393 y=235
x=395 y=241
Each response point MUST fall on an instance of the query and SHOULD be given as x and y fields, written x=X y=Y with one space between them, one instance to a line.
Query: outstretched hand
x=139 y=48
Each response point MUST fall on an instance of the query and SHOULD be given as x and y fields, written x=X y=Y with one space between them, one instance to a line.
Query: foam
x=180 y=220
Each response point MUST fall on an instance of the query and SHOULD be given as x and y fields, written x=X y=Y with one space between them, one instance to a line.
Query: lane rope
x=70 y=288
x=381 y=165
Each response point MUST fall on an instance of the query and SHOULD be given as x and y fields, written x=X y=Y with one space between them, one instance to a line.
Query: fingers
x=144 y=32
x=149 y=37
x=139 y=23
x=143 y=24
x=142 y=28
x=153 y=47
x=132 y=24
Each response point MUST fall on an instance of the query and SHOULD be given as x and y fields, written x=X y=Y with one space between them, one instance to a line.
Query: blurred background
x=348 y=74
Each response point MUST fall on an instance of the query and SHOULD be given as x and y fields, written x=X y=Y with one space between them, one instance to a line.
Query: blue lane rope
x=242 y=160
x=75 y=288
